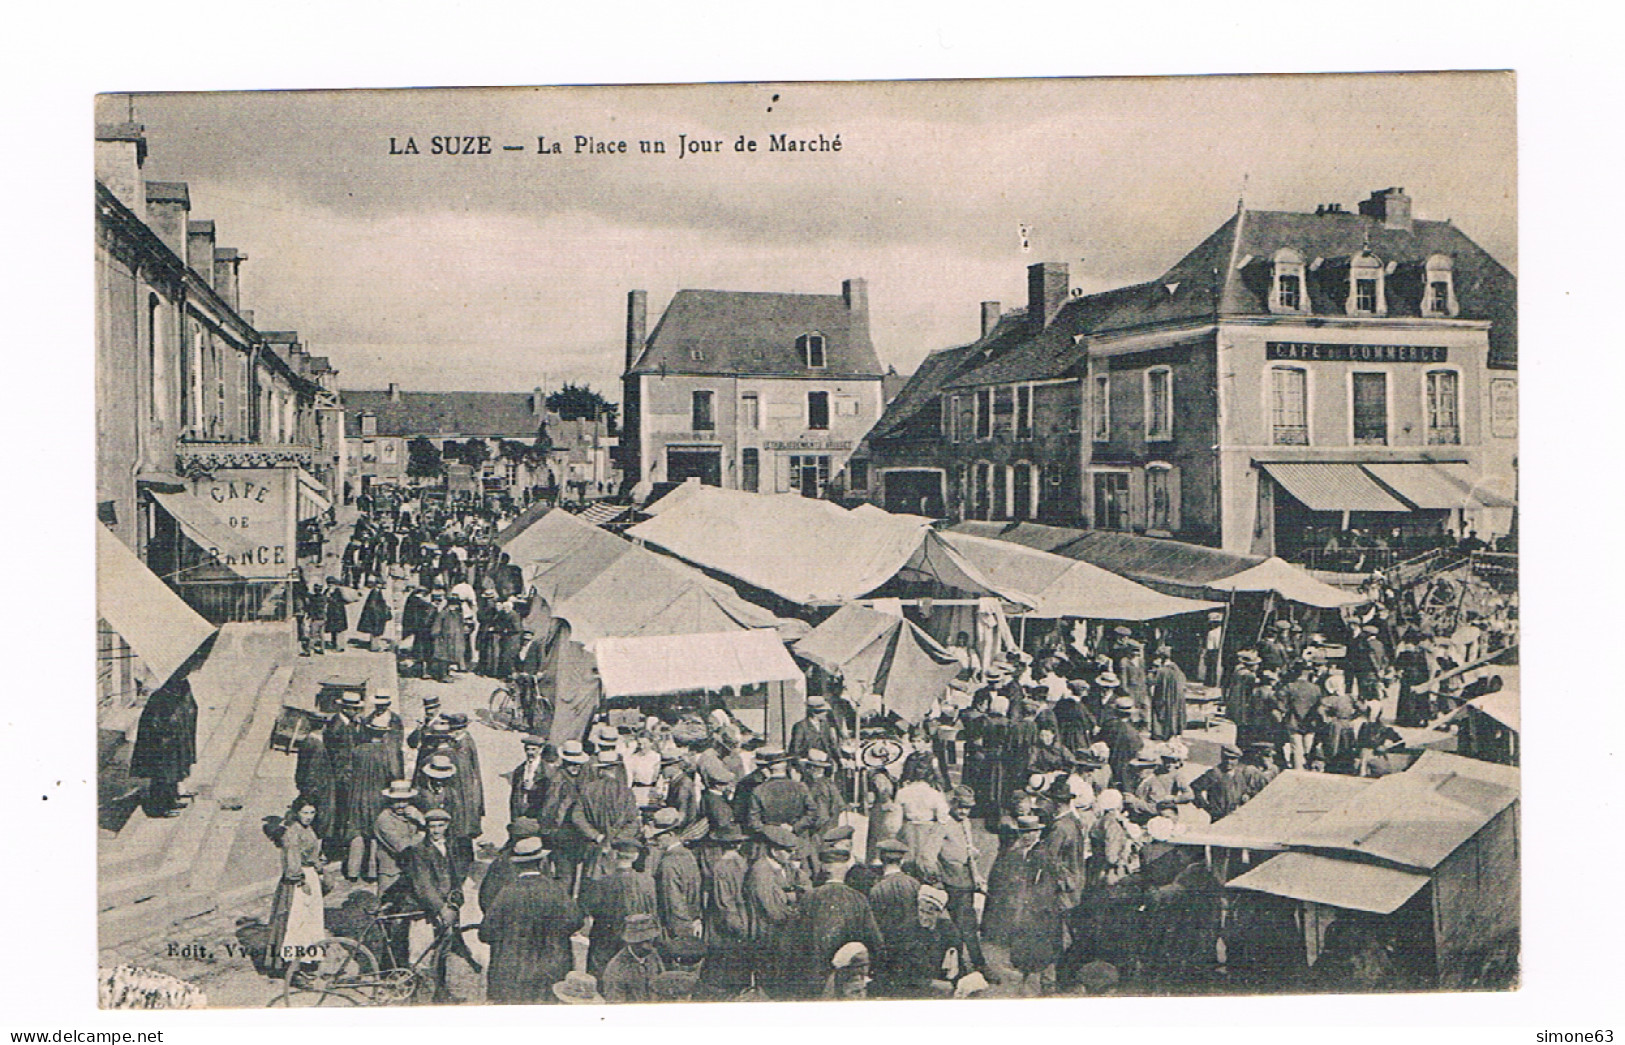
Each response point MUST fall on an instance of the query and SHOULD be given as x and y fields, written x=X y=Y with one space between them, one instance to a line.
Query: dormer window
x=811 y=347
x=1287 y=291
x=1366 y=292
x=1439 y=298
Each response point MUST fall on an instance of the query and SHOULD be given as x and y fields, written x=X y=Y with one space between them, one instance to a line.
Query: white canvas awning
x=651 y=665
x=162 y=629
x=1347 y=884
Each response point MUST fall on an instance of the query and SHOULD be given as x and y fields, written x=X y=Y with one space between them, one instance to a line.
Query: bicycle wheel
x=338 y=972
x=504 y=708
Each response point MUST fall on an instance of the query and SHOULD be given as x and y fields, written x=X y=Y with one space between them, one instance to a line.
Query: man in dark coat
x=398 y=828
x=677 y=877
x=604 y=811
x=613 y=897
x=528 y=927
x=779 y=799
x=375 y=614
x=1121 y=739
x=728 y=964
x=1167 y=684
x=770 y=905
x=816 y=731
x=1222 y=789
x=375 y=763
x=1239 y=703
x=502 y=869
x=313 y=776
x=630 y=975
x=471 y=810
x=530 y=779
x=830 y=915
x=1021 y=925
x=166 y=746
x=336 y=614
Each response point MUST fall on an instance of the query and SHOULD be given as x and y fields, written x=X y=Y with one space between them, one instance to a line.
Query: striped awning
x=1424 y=485
x=1336 y=487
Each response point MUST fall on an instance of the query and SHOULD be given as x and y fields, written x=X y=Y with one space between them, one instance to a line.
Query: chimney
x=990 y=317
x=855 y=292
x=226 y=264
x=538 y=403
x=121 y=149
x=637 y=325
x=1392 y=206
x=394 y=392
x=167 y=205
x=1047 y=286
x=200 y=249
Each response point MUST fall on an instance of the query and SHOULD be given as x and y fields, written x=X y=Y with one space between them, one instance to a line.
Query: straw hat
x=578 y=988
x=400 y=790
x=440 y=767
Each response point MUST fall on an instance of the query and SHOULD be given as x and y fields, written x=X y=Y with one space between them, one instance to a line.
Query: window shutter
x=1175 y=507
x=1137 y=500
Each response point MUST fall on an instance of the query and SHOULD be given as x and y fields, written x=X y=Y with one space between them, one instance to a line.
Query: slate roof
x=506 y=415
x=938 y=369
x=752 y=332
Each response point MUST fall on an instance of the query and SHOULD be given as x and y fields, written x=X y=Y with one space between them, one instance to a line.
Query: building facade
x=210 y=446
x=1295 y=378
x=749 y=391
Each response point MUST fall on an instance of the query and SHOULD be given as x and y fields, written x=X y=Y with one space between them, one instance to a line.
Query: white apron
x=305 y=917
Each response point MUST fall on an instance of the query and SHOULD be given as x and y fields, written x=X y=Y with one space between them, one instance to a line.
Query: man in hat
x=611 y=898
x=384 y=704
x=1129 y=660
x=166 y=746
x=1121 y=738
x=558 y=813
x=1240 y=704
x=1367 y=664
x=917 y=955
x=1162 y=783
x=779 y=799
x=817 y=772
x=849 y=977
x=605 y=810
x=336 y=614
x=315 y=778
x=431 y=711
x=1276 y=651
x=893 y=896
x=1212 y=650
x=375 y=616
x=528 y=926
x=685 y=958
x=817 y=731
x=677 y=876
x=830 y=915
x=771 y=898
x=1167 y=684
x=630 y=975
x=1261 y=756
x=1222 y=789
x=1065 y=842
x=1048 y=754
x=578 y=988
x=438 y=790
x=1299 y=697
x=1092 y=766
x=398 y=827
x=375 y=761
x=529 y=781
x=727 y=919
x=501 y=870
x=1022 y=923
x=433 y=887
x=961 y=876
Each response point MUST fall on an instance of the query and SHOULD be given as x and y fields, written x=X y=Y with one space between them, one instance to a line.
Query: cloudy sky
x=504 y=271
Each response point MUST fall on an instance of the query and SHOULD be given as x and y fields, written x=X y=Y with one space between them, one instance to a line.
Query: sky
x=510 y=270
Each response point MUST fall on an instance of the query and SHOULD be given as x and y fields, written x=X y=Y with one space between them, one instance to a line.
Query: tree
x=423 y=460
x=475 y=452
x=574 y=402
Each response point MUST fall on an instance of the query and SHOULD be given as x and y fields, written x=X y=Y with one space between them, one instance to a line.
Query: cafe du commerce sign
x=1307 y=351
x=255 y=506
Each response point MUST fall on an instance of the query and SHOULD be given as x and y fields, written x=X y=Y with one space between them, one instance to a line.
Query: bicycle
x=512 y=703
x=346 y=971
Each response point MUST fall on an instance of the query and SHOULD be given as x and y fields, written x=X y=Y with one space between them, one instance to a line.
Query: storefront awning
x=652 y=665
x=162 y=629
x=1338 y=883
x=205 y=529
x=312 y=497
x=1333 y=487
x=1424 y=485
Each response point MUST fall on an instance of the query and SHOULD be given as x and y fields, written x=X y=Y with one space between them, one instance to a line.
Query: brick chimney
x=1047 y=286
x=227 y=262
x=538 y=403
x=637 y=325
x=200 y=249
x=121 y=149
x=1392 y=206
x=168 y=203
x=855 y=292
x=990 y=317
x=394 y=392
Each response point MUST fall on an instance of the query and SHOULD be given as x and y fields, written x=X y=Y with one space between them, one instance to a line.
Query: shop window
x=1101 y=409
x=1370 y=395
x=818 y=411
x=1287 y=294
x=1289 y=406
x=1159 y=403
x=1443 y=408
x=809 y=474
x=750 y=469
x=704 y=411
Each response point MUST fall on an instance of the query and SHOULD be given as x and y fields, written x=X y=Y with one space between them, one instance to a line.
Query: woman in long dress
x=297 y=911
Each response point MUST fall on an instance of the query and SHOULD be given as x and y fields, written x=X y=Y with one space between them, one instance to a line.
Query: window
x=1100 y=409
x=1440 y=299
x=1024 y=411
x=369 y=451
x=999 y=496
x=369 y=424
x=1287 y=293
x=1365 y=286
x=189 y=380
x=1443 y=408
x=1160 y=499
x=750 y=469
x=809 y=474
x=818 y=411
x=705 y=418
x=857 y=475
x=750 y=412
x=1159 y=403
x=1004 y=411
x=1289 y=406
x=1370 y=394
x=243 y=398
x=811 y=347
x=981 y=489
x=1023 y=492
x=1111 y=501
x=952 y=418
x=391 y=451
x=984 y=413
x=155 y=362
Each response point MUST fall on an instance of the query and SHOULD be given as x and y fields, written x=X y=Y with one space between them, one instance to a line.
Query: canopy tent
x=162 y=629
x=1339 y=883
x=1171 y=567
x=523 y=521
x=1058 y=587
x=652 y=665
x=1290 y=582
x=882 y=654
x=805 y=551
x=1295 y=799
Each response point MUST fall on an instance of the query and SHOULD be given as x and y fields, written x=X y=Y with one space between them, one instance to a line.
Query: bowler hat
x=640 y=928
x=1027 y=822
